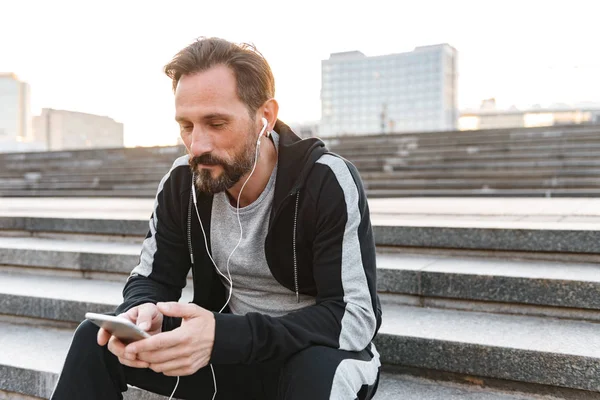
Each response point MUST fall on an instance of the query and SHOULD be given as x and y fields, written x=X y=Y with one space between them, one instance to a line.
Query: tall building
x=405 y=92
x=70 y=130
x=15 y=113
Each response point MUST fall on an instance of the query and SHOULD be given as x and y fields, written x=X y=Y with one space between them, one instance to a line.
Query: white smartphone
x=122 y=328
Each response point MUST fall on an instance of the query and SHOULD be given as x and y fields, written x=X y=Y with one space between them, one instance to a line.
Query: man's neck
x=267 y=159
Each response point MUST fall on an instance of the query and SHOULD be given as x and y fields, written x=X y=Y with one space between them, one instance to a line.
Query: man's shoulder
x=181 y=161
x=334 y=165
x=333 y=169
x=179 y=175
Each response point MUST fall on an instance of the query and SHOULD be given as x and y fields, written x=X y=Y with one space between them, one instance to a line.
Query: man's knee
x=322 y=373
x=86 y=332
x=85 y=342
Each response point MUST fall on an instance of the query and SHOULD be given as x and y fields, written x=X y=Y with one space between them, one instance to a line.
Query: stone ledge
x=539 y=240
x=469 y=238
x=565 y=285
x=526 y=349
x=553 y=369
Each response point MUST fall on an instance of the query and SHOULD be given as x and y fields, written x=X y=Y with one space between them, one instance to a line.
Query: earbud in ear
x=263 y=131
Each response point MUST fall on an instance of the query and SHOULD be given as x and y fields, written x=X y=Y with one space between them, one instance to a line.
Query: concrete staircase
x=546 y=162
x=119 y=172
x=482 y=312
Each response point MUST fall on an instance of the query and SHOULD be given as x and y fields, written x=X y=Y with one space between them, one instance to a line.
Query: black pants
x=92 y=372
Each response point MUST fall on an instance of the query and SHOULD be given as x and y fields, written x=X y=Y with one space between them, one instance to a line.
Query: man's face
x=216 y=128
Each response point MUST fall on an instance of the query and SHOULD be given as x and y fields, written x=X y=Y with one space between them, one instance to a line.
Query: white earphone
x=262 y=131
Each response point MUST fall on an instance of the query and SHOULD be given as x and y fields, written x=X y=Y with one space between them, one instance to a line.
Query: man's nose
x=201 y=143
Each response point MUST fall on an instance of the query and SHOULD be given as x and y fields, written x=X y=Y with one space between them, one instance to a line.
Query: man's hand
x=147 y=317
x=182 y=351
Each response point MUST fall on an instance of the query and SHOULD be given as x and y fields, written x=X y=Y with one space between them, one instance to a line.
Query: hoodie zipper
x=189 y=230
x=294 y=244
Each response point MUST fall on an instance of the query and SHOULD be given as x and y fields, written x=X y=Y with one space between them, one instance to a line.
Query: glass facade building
x=15 y=112
x=406 y=92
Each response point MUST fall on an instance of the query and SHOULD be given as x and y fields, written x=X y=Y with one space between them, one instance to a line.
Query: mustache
x=207 y=159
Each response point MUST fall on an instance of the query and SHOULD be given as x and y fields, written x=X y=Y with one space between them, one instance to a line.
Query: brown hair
x=254 y=79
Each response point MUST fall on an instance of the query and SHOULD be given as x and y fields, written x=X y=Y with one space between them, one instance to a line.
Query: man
x=276 y=231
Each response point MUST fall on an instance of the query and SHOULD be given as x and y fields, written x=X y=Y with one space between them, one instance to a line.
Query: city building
x=405 y=92
x=70 y=130
x=15 y=114
x=488 y=117
x=305 y=129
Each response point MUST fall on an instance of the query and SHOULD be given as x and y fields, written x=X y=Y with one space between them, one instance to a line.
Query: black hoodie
x=319 y=243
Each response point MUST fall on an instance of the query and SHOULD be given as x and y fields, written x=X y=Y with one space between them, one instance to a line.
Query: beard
x=233 y=170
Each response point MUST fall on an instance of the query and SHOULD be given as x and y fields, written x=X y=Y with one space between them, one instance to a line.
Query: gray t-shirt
x=254 y=288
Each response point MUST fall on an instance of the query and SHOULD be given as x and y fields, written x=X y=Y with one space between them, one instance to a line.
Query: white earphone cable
x=177 y=384
x=227 y=278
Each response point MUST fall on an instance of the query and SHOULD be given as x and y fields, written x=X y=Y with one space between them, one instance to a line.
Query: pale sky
x=106 y=57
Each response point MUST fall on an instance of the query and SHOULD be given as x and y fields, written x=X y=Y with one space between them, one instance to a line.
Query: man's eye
x=218 y=125
x=186 y=128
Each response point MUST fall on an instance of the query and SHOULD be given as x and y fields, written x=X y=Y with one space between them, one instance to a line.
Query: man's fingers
x=164 y=355
x=146 y=313
x=183 y=310
x=103 y=337
x=116 y=347
x=157 y=342
x=134 y=364
x=131 y=314
x=183 y=366
x=179 y=364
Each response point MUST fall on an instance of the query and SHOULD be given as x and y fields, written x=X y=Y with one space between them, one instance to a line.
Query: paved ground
x=543 y=213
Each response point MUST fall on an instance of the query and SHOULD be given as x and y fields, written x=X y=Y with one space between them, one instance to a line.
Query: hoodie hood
x=295 y=158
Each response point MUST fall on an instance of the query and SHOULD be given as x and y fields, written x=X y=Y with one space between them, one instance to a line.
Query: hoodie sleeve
x=164 y=259
x=347 y=312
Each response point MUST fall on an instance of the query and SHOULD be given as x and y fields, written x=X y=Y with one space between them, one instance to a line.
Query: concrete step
x=76 y=165
x=545 y=351
x=105 y=260
x=419 y=148
x=372 y=193
x=414 y=149
x=89 y=178
x=420 y=145
x=484 y=192
x=133 y=175
x=54 y=300
x=32 y=358
x=557 y=289
x=111 y=153
x=62 y=224
x=552 y=235
x=128 y=193
x=410 y=387
x=96 y=185
x=440 y=183
x=397 y=164
x=468 y=173
x=32 y=174
x=40 y=267
x=461 y=138
x=416 y=158
x=43 y=268
x=498 y=182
